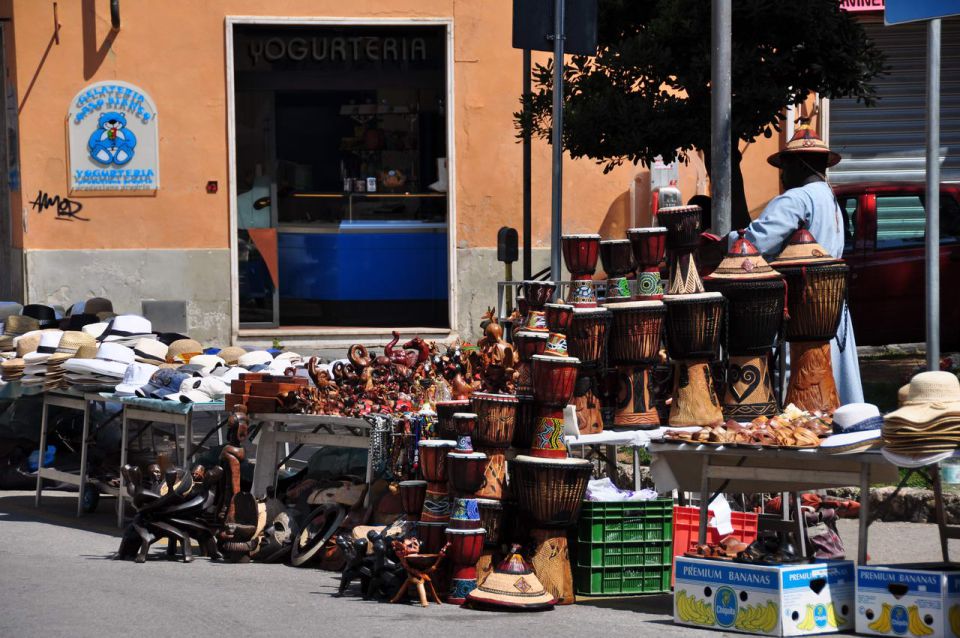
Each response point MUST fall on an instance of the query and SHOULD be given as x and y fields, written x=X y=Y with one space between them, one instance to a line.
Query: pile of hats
x=928 y=420
x=92 y=348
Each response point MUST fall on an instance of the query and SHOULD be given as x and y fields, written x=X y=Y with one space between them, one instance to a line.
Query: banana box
x=908 y=600
x=768 y=600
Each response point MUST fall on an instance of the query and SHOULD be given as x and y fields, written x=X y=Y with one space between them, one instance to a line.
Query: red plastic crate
x=686 y=529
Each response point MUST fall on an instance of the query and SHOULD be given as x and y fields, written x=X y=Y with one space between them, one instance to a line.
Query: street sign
x=900 y=11
x=533 y=25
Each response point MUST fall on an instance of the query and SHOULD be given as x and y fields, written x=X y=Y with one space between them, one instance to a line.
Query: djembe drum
x=496 y=419
x=649 y=248
x=587 y=339
x=693 y=337
x=616 y=255
x=559 y=317
x=755 y=299
x=527 y=343
x=580 y=254
x=588 y=342
x=537 y=293
x=816 y=293
x=465 y=424
x=433 y=459
x=550 y=493
x=554 y=382
x=635 y=346
x=466 y=546
x=683 y=238
x=412 y=496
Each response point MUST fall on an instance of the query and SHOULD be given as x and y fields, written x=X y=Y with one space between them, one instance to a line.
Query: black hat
x=318 y=527
x=46 y=315
x=78 y=321
x=169 y=337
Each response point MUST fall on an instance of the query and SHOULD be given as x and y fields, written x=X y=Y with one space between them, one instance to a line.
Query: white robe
x=816 y=205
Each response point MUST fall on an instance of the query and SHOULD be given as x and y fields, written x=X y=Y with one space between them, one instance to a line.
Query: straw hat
x=743 y=262
x=15 y=326
x=802 y=249
x=149 y=350
x=181 y=350
x=512 y=585
x=87 y=351
x=932 y=396
x=27 y=343
x=231 y=354
x=804 y=140
x=70 y=342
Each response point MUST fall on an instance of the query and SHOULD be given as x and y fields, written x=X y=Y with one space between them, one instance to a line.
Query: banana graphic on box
x=809 y=618
x=955 y=620
x=693 y=610
x=759 y=617
x=915 y=624
x=882 y=623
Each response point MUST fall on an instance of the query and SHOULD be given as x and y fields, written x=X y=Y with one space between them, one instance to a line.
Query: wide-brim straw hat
x=512 y=585
x=17 y=325
x=802 y=249
x=804 y=140
x=70 y=343
x=182 y=350
x=743 y=262
x=932 y=396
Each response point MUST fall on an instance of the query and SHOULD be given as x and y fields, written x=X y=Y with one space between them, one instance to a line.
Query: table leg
x=704 y=500
x=43 y=449
x=188 y=441
x=636 y=468
x=83 y=456
x=611 y=451
x=265 y=467
x=941 y=516
x=800 y=521
x=124 y=433
x=864 y=513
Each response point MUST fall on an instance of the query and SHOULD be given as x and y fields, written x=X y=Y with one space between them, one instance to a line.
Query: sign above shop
x=113 y=141
x=338 y=49
x=855 y=6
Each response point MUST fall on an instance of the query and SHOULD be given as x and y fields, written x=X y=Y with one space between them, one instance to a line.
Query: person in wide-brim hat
x=809 y=204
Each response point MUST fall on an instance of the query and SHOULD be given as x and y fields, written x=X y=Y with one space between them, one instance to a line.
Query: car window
x=848 y=206
x=900 y=221
x=949 y=219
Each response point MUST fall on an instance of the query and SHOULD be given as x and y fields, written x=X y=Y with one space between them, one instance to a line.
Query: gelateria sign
x=112 y=134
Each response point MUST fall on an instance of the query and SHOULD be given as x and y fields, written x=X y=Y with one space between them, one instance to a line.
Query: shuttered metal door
x=886 y=142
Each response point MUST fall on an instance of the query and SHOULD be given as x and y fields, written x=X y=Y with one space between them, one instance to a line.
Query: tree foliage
x=647 y=92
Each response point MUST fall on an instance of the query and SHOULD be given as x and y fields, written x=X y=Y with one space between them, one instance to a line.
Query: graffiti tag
x=67 y=209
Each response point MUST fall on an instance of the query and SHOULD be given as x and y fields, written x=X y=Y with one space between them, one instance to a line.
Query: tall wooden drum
x=693 y=337
x=634 y=346
x=816 y=295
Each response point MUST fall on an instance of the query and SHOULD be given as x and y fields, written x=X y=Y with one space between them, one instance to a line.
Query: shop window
x=342 y=184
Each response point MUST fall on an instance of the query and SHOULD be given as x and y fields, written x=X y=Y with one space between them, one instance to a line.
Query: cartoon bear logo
x=112 y=142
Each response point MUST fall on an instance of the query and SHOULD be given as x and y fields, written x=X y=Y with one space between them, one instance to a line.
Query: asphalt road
x=56 y=579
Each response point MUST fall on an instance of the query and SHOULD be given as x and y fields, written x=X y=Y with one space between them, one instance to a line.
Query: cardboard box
x=908 y=600
x=787 y=600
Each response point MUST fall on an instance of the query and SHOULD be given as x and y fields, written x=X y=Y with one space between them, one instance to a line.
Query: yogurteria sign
x=112 y=134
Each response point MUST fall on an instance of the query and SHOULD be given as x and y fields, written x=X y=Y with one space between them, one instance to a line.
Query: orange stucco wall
x=175 y=51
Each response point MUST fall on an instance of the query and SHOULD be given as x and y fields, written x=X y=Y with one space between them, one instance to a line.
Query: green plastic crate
x=595 y=581
x=626 y=522
x=625 y=554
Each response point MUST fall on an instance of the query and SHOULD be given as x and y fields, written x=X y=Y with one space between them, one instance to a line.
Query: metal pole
x=527 y=180
x=933 y=195
x=556 y=138
x=720 y=152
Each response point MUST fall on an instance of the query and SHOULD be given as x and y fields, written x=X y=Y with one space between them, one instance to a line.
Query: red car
x=885 y=251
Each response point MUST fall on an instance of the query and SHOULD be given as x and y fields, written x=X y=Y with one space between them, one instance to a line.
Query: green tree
x=647 y=92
